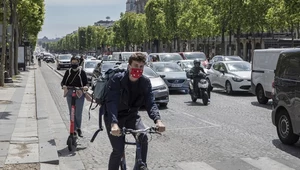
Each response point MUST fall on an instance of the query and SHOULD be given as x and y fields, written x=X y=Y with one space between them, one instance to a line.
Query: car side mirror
x=162 y=76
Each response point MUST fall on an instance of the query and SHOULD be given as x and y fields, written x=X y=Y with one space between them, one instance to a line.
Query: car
x=165 y=57
x=100 y=70
x=90 y=57
x=186 y=65
x=63 y=61
x=159 y=88
x=230 y=75
x=195 y=55
x=263 y=66
x=174 y=77
x=88 y=66
x=223 y=58
x=125 y=55
x=286 y=97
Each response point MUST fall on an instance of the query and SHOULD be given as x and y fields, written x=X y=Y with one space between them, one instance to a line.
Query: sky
x=65 y=16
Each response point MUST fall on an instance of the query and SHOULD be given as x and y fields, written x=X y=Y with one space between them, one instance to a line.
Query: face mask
x=74 y=66
x=136 y=72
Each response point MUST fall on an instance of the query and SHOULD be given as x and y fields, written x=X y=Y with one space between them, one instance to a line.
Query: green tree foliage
x=165 y=20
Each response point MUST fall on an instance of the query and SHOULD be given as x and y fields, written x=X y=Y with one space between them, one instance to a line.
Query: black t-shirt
x=133 y=91
x=75 y=79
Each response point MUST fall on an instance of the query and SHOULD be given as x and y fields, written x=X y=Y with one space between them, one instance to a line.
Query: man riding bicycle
x=127 y=92
x=75 y=77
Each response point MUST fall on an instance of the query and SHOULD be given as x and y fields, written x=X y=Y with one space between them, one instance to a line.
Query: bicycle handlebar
x=126 y=131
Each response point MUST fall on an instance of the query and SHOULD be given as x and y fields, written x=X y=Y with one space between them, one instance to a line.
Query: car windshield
x=90 y=64
x=239 y=66
x=127 y=55
x=188 y=64
x=65 y=57
x=109 y=58
x=106 y=67
x=166 y=67
x=191 y=56
x=233 y=58
x=170 y=57
x=148 y=72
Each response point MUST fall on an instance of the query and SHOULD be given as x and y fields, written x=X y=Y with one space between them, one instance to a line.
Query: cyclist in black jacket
x=127 y=92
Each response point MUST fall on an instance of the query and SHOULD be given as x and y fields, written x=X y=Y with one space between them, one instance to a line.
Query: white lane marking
x=265 y=163
x=195 y=166
x=210 y=123
x=190 y=128
x=187 y=114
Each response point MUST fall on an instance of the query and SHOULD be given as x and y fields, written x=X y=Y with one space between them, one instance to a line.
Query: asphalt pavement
x=231 y=133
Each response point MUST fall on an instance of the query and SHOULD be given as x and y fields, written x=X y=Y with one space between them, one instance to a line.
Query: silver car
x=159 y=88
x=63 y=61
x=89 y=66
x=174 y=77
x=186 y=65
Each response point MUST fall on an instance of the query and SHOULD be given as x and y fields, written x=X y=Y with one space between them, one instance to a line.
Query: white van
x=125 y=55
x=263 y=65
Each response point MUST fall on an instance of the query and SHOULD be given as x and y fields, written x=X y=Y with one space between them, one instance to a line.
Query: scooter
x=201 y=92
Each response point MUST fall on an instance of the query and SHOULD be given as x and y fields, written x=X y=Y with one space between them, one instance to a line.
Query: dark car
x=223 y=58
x=286 y=97
x=195 y=55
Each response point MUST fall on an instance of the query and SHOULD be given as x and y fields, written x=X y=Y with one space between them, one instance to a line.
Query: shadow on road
x=178 y=92
x=197 y=103
x=293 y=150
x=266 y=106
x=235 y=94
x=5 y=115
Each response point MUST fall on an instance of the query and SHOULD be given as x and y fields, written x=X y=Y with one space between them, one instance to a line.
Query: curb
x=55 y=70
x=47 y=145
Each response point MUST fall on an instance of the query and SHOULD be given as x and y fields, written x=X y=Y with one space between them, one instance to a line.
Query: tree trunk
x=223 y=40
x=292 y=32
x=11 y=47
x=3 y=55
x=238 y=40
x=16 y=42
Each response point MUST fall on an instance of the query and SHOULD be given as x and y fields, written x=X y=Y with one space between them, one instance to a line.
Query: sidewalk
x=29 y=123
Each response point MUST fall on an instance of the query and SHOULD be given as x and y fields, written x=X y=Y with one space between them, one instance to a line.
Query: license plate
x=176 y=85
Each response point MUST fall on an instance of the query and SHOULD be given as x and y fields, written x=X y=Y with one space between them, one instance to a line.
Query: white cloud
x=83 y=2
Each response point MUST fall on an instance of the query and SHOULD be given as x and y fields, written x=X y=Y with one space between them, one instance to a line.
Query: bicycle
x=72 y=139
x=139 y=164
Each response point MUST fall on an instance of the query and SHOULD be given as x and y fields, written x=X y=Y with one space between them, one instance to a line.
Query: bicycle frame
x=138 y=157
x=73 y=109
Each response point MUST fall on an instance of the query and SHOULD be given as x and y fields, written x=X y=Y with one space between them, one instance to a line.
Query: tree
x=3 y=55
x=155 y=20
x=30 y=18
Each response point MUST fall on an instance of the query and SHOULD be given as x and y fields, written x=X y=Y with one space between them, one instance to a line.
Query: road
x=231 y=133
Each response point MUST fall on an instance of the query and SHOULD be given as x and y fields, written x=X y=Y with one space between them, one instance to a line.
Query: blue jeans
x=78 y=108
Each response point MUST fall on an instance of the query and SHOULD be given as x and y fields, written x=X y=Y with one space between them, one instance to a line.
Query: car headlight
x=163 y=87
x=237 y=79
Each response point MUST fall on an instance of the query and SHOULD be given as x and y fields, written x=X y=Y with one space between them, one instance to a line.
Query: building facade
x=140 y=6
x=131 y=6
x=104 y=23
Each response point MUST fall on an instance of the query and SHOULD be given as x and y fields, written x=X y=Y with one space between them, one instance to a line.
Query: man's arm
x=112 y=99
x=151 y=107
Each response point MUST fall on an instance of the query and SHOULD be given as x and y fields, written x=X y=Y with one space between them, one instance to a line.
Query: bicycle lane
x=67 y=160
